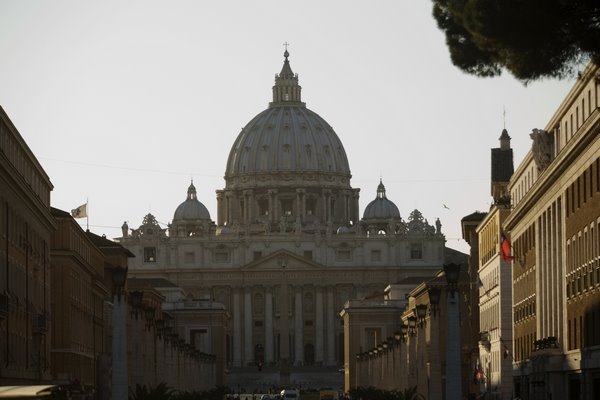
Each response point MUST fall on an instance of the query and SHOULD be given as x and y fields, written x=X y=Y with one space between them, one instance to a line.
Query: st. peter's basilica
x=288 y=247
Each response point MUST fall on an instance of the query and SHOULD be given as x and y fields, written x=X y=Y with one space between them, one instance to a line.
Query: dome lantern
x=286 y=89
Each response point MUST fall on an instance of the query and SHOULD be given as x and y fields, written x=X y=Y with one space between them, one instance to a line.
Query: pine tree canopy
x=532 y=39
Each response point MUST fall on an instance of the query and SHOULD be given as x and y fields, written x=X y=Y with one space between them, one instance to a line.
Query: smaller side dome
x=191 y=208
x=381 y=207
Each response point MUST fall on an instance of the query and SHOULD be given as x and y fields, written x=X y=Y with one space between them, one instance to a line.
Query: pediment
x=277 y=260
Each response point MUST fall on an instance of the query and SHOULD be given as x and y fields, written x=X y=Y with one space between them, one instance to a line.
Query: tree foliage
x=532 y=39
x=372 y=393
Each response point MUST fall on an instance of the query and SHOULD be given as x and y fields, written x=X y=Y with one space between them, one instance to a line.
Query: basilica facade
x=289 y=246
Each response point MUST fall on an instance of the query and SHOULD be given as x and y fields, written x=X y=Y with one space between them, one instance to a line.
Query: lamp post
x=453 y=365
x=421 y=313
x=119 y=343
x=434 y=299
x=435 y=369
x=136 y=298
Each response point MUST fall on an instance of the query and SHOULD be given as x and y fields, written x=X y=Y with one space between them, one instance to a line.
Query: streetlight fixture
x=119 y=277
x=119 y=345
x=452 y=271
x=135 y=298
x=434 y=298
x=149 y=311
x=404 y=331
x=421 y=313
x=453 y=370
x=160 y=327
x=412 y=324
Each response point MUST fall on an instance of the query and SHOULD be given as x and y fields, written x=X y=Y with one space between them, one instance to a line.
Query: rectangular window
x=257 y=255
x=258 y=323
x=416 y=251
x=308 y=323
x=221 y=256
x=375 y=255
x=149 y=254
x=343 y=255
x=189 y=257
x=308 y=254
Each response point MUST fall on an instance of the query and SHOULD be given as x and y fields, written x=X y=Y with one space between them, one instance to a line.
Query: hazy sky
x=123 y=102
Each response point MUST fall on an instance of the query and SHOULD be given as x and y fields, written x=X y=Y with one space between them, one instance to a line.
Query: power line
x=129 y=168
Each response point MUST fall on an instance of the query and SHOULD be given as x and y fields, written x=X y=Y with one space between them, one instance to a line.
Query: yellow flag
x=79 y=212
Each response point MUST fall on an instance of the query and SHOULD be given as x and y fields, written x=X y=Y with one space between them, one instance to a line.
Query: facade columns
x=319 y=326
x=269 y=325
x=229 y=202
x=237 y=331
x=248 y=345
x=298 y=327
x=330 y=327
x=220 y=208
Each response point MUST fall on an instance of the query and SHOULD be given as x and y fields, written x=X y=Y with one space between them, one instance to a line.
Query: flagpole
x=87 y=214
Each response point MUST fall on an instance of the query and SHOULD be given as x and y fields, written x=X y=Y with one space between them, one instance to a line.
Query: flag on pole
x=505 y=249
x=79 y=212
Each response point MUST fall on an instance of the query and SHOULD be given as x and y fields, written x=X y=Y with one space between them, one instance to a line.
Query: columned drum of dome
x=287 y=170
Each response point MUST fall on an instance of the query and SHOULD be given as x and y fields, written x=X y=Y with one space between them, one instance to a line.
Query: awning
x=14 y=392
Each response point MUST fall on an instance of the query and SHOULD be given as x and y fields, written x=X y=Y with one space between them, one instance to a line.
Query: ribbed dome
x=287 y=138
x=191 y=208
x=381 y=207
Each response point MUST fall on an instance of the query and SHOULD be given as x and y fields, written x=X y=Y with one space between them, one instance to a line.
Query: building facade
x=289 y=246
x=494 y=368
x=26 y=226
x=80 y=300
x=553 y=226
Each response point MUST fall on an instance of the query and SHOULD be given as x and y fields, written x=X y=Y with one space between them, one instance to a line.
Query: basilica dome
x=287 y=139
x=191 y=208
x=381 y=208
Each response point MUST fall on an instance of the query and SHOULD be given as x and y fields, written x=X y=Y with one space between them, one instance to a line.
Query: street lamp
x=434 y=298
x=421 y=313
x=135 y=298
x=404 y=331
x=149 y=311
x=119 y=277
x=119 y=343
x=451 y=271
x=453 y=372
x=412 y=324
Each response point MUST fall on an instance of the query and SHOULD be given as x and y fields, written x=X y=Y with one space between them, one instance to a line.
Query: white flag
x=79 y=212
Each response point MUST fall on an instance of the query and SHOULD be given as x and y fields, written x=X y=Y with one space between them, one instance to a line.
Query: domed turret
x=287 y=169
x=381 y=216
x=191 y=208
x=381 y=207
x=191 y=217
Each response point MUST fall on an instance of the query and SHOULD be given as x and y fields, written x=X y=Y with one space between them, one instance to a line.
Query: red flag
x=506 y=249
